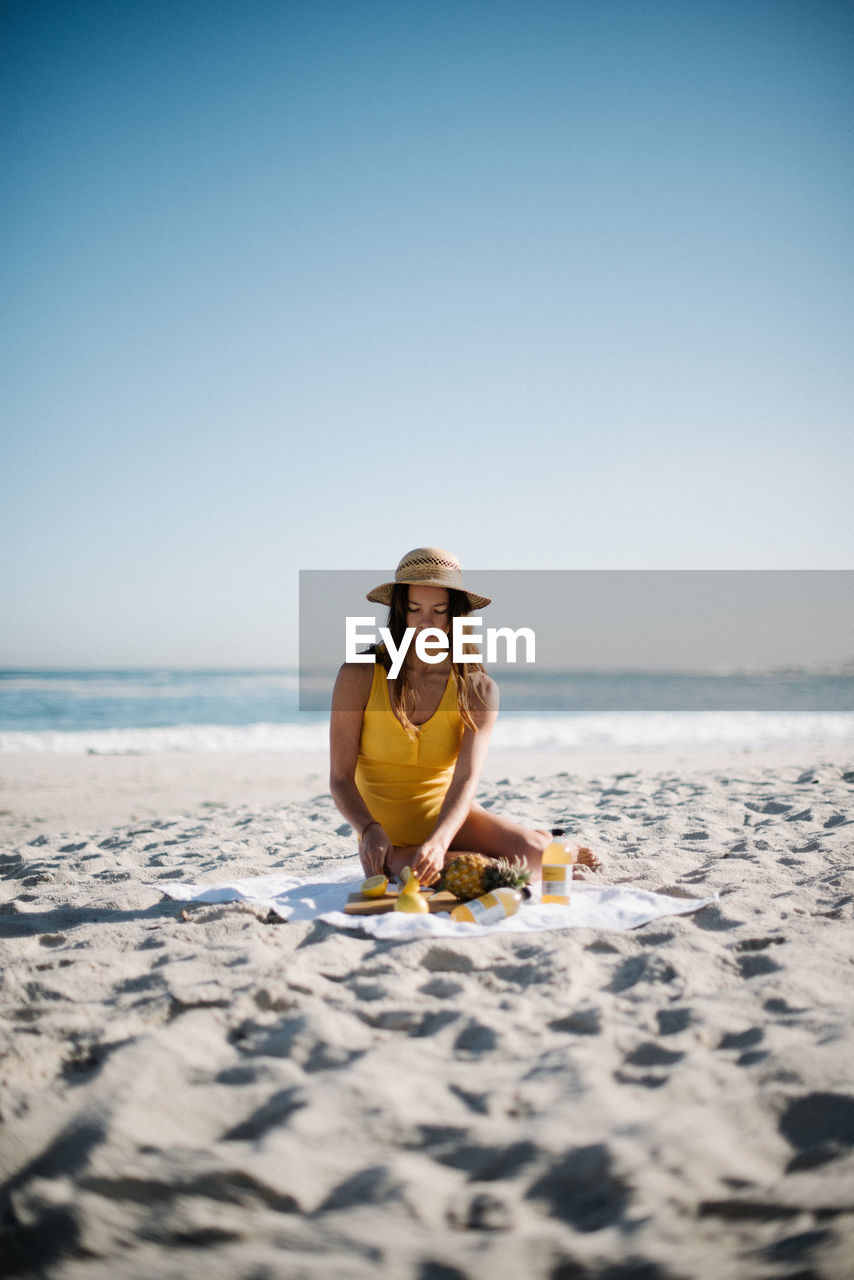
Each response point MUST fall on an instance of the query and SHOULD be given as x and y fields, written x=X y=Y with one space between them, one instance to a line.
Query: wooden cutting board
x=441 y=900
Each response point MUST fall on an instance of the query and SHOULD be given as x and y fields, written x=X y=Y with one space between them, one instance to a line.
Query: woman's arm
x=460 y=794
x=349 y=699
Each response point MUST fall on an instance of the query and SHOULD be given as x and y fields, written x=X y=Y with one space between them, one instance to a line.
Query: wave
x=148 y=684
x=602 y=731
x=273 y=739
x=614 y=730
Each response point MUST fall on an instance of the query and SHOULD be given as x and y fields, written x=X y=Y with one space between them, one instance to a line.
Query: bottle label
x=557 y=881
x=486 y=909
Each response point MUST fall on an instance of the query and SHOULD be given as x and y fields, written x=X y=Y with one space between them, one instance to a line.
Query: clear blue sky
x=303 y=285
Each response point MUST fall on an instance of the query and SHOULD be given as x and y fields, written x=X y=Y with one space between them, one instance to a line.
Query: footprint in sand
x=741 y=1039
x=820 y=1126
x=427 y=1137
x=475 y=1040
x=483 y=1212
x=446 y=960
x=795 y=1248
x=582 y=1022
x=86 y=1059
x=713 y=920
x=654 y=939
x=780 y=1007
x=375 y=1185
x=306 y=1040
x=368 y=990
x=414 y=1024
x=750 y=960
x=275 y=1112
x=648 y=1055
x=485 y=1163
x=643 y=968
x=524 y=975
x=753 y=966
x=583 y=1189
x=478 y=1103
x=771 y=806
x=745 y=1041
x=805 y=815
x=672 y=1021
x=442 y=988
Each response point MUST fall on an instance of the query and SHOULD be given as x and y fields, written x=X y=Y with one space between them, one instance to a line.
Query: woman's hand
x=374 y=849
x=428 y=862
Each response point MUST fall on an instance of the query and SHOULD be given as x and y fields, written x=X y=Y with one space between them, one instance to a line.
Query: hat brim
x=382 y=593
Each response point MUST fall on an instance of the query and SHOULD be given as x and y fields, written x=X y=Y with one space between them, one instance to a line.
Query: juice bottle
x=490 y=907
x=558 y=859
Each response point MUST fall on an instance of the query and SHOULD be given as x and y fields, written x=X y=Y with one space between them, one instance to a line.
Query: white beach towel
x=593 y=907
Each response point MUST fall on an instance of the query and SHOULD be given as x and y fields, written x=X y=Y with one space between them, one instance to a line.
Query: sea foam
x=602 y=731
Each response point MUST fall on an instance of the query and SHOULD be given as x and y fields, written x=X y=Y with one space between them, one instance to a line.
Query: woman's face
x=428 y=607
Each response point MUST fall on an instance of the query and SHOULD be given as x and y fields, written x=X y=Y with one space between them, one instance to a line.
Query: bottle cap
x=558 y=831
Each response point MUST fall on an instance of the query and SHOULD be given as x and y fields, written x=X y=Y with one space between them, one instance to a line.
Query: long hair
x=402 y=695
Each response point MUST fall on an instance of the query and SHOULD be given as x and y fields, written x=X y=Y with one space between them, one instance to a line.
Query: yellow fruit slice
x=408 y=901
x=409 y=881
x=374 y=886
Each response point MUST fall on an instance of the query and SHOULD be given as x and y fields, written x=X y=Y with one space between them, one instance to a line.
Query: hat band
x=429 y=573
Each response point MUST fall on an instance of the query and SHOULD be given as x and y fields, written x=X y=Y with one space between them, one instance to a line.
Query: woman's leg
x=497 y=837
x=516 y=842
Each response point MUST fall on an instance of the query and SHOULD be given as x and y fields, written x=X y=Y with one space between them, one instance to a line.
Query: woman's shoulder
x=353 y=685
x=484 y=689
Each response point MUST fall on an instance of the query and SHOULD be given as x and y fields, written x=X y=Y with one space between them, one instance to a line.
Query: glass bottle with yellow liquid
x=558 y=861
x=490 y=907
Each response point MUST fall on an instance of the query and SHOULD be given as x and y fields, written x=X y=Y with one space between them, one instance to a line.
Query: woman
x=407 y=753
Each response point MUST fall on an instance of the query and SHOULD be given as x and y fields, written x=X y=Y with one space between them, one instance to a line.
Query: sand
x=202 y=1091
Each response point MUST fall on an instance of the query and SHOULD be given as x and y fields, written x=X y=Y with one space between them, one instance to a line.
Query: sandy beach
x=204 y=1091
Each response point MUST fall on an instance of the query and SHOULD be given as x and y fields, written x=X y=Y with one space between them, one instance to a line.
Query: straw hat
x=428 y=567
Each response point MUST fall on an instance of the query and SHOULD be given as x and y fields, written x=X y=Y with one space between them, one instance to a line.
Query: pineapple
x=472 y=874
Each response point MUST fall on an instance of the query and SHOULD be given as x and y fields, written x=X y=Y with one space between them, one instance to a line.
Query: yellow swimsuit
x=403 y=780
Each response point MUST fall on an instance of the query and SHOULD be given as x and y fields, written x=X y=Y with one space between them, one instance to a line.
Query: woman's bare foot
x=585 y=857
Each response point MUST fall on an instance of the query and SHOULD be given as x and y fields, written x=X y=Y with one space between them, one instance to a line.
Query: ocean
x=132 y=712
